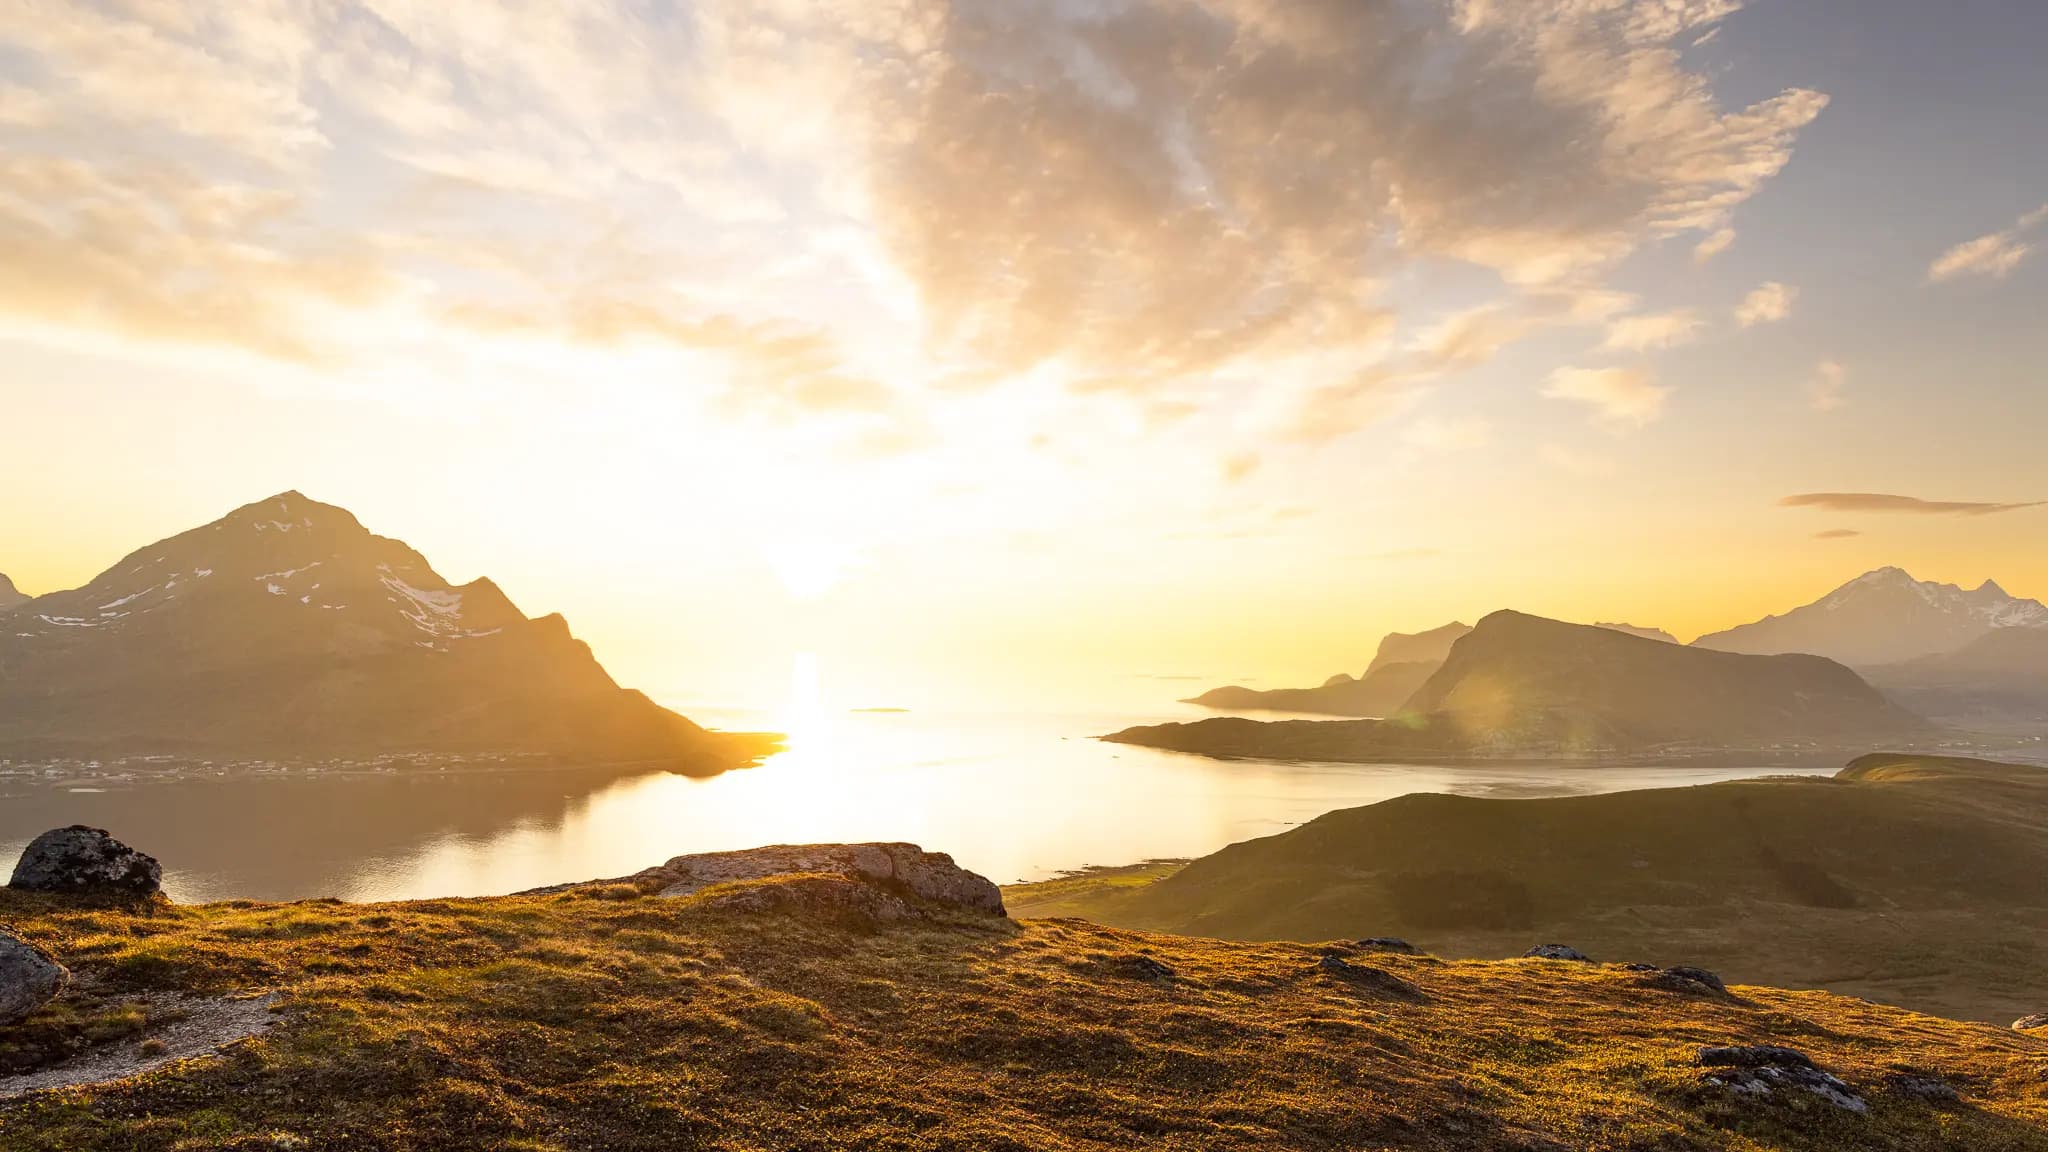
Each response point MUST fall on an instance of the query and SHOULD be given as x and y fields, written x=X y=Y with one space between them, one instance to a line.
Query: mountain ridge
x=287 y=628
x=1884 y=616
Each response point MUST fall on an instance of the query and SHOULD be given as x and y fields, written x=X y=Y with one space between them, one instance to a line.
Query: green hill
x=603 y=1018
x=1914 y=880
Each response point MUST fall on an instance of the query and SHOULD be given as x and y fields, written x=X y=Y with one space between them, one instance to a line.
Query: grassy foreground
x=600 y=1019
x=1912 y=880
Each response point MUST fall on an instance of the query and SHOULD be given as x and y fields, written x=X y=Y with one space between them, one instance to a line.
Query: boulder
x=931 y=877
x=86 y=860
x=836 y=897
x=2033 y=1023
x=1696 y=981
x=1913 y=1086
x=1365 y=976
x=1555 y=952
x=1389 y=944
x=1762 y=1070
x=29 y=978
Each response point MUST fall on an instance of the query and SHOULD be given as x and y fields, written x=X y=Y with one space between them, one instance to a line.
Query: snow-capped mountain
x=287 y=628
x=1885 y=617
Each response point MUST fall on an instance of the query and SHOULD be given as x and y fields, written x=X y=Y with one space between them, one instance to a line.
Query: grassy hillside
x=604 y=1019
x=1912 y=880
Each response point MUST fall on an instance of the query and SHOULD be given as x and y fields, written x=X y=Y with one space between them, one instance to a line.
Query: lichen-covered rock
x=1555 y=952
x=2031 y=1023
x=86 y=860
x=29 y=978
x=830 y=896
x=931 y=877
x=1365 y=976
x=1913 y=1086
x=1761 y=1070
x=1389 y=944
x=1694 y=981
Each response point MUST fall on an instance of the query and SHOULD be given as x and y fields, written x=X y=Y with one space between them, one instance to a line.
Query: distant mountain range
x=1403 y=662
x=10 y=596
x=1520 y=684
x=1885 y=617
x=287 y=629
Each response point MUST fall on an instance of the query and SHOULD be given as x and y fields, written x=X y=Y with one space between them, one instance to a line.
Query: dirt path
x=207 y=1026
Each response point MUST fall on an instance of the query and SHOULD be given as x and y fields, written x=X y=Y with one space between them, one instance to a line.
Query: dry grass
x=564 y=1022
x=1911 y=880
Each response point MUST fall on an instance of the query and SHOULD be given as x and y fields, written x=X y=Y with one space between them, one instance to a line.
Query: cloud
x=1824 y=391
x=1653 y=330
x=1767 y=303
x=1995 y=254
x=1622 y=397
x=1837 y=534
x=1240 y=466
x=1716 y=243
x=1407 y=554
x=1879 y=502
x=1179 y=198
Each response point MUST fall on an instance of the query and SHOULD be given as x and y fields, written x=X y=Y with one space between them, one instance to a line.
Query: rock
x=1761 y=1070
x=2031 y=1023
x=29 y=978
x=1366 y=976
x=1697 y=981
x=1142 y=968
x=839 y=897
x=1913 y=1086
x=86 y=860
x=931 y=877
x=1555 y=952
x=1639 y=966
x=1389 y=944
x=1753 y=1056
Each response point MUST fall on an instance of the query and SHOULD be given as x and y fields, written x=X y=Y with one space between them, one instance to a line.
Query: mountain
x=825 y=1011
x=1884 y=617
x=286 y=629
x=1905 y=879
x=1520 y=680
x=1997 y=681
x=10 y=596
x=1521 y=684
x=1403 y=662
x=1646 y=633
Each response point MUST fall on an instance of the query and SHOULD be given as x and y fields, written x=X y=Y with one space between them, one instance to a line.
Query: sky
x=987 y=350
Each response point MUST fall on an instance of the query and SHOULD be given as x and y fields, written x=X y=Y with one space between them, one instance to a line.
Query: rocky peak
x=10 y=596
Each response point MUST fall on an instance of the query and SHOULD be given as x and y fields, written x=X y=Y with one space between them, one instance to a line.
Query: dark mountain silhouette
x=287 y=629
x=10 y=596
x=1403 y=662
x=1524 y=684
x=1884 y=617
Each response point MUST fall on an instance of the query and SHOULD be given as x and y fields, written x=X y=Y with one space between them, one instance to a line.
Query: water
x=1016 y=797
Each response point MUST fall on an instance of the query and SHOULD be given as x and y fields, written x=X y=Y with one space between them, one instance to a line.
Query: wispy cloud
x=1767 y=303
x=1837 y=534
x=1621 y=397
x=1652 y=330
x=1716 y=243
x=1995 y=254
x=1882 y=502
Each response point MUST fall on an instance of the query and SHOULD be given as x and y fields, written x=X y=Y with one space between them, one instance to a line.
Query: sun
x=809 y=563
